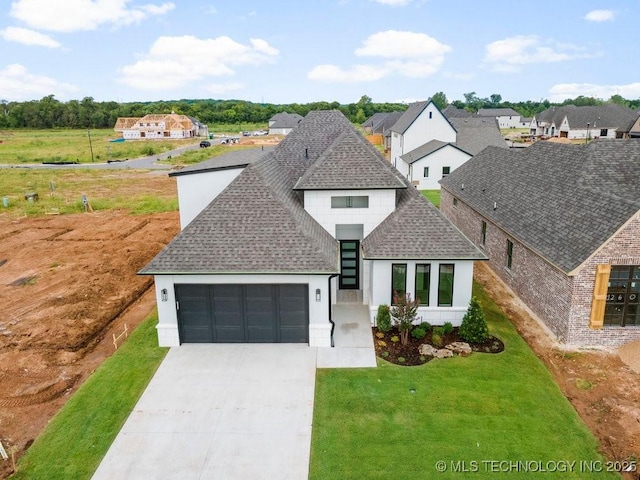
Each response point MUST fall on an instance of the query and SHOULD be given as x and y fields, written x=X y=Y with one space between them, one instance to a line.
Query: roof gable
x=351 y=162
x=477 y=133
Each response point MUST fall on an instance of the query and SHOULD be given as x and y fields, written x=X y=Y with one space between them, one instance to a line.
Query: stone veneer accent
x=562 y=302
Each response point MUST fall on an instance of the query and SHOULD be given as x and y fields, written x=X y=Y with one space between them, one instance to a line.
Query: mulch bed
x=392 y=351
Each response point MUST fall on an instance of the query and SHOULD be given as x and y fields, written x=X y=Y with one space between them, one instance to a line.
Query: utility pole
x=90 y=146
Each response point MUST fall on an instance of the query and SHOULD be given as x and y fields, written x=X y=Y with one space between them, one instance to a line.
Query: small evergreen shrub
x=383 y=318
x=401 y=360
x=385 y=354
x=437 y=336
x=448 y=328
x=418 y=333
x=474 y=325
x=426 y=326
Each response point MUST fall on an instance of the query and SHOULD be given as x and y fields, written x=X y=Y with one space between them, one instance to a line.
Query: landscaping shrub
x=447 y=328
x=418 y=333
x=395 y=339
x=383 y=318
x=474 y=325
x=437 y=336
x=404 y=313
x=426 y=326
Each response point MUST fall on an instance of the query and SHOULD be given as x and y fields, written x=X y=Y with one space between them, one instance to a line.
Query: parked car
x=260 y=132
x=246 y=134
x=205 y=144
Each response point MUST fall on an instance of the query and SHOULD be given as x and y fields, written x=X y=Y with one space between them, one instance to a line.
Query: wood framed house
x=561 y=226
x=160 y=126
x=321 y=219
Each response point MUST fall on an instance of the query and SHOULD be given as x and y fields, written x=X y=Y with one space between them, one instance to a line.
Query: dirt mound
x=65 y=282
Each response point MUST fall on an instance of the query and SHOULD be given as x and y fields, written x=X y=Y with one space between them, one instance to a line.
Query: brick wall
x=562 y=302
x=622 y=249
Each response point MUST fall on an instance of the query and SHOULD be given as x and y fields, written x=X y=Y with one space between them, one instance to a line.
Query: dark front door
x=253 y=313
x=349 y=264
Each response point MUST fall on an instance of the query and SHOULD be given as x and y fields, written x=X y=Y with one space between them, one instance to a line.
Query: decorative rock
x=444 y=353
x=461 y=348
x=426 y=349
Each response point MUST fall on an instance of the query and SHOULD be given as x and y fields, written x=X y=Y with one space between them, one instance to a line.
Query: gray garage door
x=243 y=313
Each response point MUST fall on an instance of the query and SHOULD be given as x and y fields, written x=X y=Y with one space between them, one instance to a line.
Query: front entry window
x=349 y=264
x=445 y=285
x=423 y=274
x=623 y=307
x=398 y=281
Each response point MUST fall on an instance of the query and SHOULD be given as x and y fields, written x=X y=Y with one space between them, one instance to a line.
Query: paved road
x=145 y=163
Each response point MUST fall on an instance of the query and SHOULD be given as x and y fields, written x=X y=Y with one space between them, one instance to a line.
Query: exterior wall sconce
x=317 y=294
x=164 y=295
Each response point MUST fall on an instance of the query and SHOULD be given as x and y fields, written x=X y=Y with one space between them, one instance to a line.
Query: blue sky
x=317 y=50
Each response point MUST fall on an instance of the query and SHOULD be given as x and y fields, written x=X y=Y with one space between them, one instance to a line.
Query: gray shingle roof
x=382 y=121
x=477 y=133
x=417 y=230
x=350 y=163
x=285 y=120
x=498 y=112
x=232 y=159
x=563 y=201
x=452 y=112
x=409 y=116
x=424 y=150
x=608 y=115
x=258 y=223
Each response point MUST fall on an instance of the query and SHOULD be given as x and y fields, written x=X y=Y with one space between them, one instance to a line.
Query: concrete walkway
x=220 y=411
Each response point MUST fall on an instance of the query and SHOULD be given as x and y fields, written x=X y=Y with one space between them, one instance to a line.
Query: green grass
x=487 y=407
x=75 y=441
x=433 y=196
x=61 y=145
x=105 y=190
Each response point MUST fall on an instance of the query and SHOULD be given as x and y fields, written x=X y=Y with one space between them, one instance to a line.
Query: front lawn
x=487 y=414
x=78 y=437
x=433 y=196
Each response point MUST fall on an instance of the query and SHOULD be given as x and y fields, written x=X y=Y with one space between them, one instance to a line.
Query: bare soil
x=604 y=391
x=67 y=284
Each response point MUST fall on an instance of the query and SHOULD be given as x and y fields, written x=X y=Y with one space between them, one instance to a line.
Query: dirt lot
x=604 y=391
x=67 y=283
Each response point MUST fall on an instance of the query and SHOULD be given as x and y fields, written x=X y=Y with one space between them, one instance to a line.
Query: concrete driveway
x=220 y=411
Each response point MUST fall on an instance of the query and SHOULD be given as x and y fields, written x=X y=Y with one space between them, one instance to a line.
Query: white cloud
x=510 y=54
x=357 y=73
x=562 y=91
x=409 y=54
x=175 y=62
x=28 y=37
x=78 y=15
x=600 y=15
x=393 y=3
x=17 y=84
x=397 y=44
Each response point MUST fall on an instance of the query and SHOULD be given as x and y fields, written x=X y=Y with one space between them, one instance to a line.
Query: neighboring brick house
x=561 y=226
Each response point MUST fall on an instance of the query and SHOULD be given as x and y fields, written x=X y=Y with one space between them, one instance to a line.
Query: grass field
x=76 y=440
x=433 y=196
x=138 y=192
x=38 y=146
x=463 y=412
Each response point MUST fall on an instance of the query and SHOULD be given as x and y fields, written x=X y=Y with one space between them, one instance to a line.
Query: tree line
x=49 y=112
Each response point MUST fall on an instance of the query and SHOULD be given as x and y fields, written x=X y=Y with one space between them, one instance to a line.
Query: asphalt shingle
x=562 y=201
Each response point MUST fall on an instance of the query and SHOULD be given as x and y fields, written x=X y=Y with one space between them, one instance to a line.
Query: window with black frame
x=398 y=281
x=623 y=305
